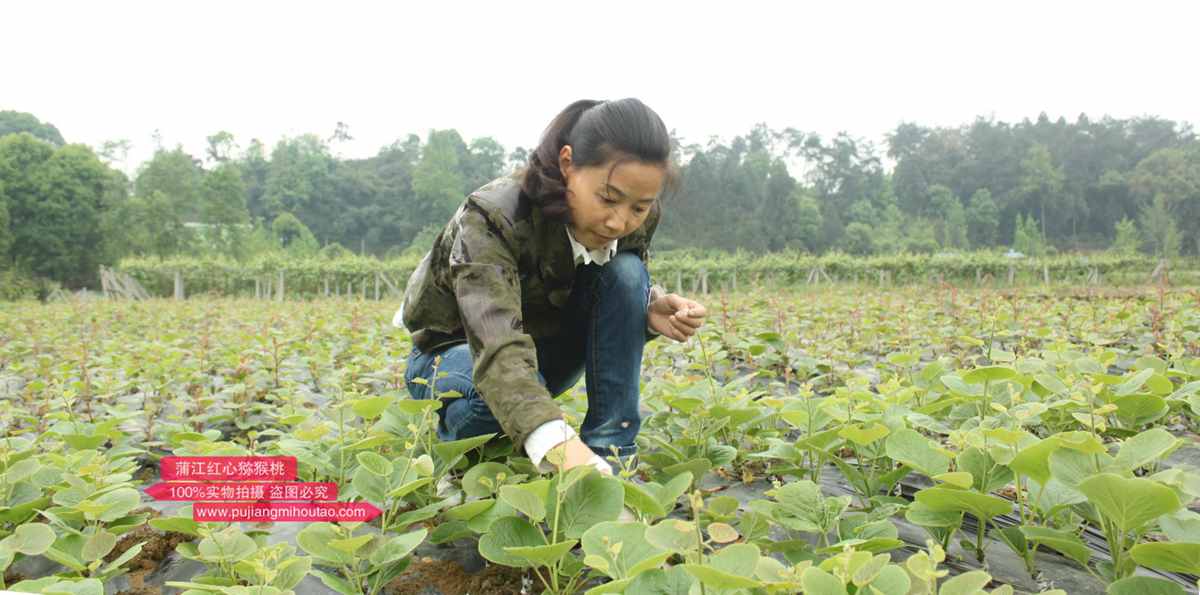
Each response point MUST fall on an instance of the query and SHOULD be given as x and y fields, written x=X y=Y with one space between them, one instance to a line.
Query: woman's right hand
x=574 y=453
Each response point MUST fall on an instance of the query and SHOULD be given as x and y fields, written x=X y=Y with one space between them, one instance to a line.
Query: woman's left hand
x=675 y=316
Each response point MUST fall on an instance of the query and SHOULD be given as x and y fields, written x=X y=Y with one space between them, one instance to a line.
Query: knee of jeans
x=618 y=431
x=457 y=385
x=626 y=274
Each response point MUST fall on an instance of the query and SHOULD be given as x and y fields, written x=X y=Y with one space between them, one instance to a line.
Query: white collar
x=599 y=256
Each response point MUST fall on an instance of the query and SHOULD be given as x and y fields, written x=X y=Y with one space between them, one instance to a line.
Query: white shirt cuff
x=549 y=435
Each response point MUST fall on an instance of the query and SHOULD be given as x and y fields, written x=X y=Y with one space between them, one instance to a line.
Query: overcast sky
x=112 y=70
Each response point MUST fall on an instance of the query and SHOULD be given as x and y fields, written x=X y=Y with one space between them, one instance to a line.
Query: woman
x=540 y=277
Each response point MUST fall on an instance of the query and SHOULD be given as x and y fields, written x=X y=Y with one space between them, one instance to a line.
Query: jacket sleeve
x=484 y=276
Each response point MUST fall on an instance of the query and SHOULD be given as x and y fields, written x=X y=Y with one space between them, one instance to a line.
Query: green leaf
x=673 y=581
x=989 y=374
x=409 y=487
x=482 y=480
x=509 y=532
x=633 y=555
x=98 y=545
x=1034 y=461
x=863 y=436
x=228 y=545
x=740 y=559
x=448 y=453
x=291 y=572
x=958 y=479
x=370 y=407
x=1147 y=447
x=673 y=534
x=350 y=545
x=1173 y=557
x=335 y=582
x=816 y=580
x=542 y=555
x=369 y=484
x=1183 y=525
x=980 y=505
x=720 y=579
x=316 y=539
x=1063 y=542
x=117 y=504
x=529 y=498
x=397 y=547
x=1131 y=385
x=183 y=525
x=1081 y=441
x=31 y=539
x=967 y=583
x=922 y=515
x=892 y=580
x=911 y=448
x=1141 y=410
x=593 y=499
x=481 y=522
x=639 y=498
x=1129 y=503
x=374 y=463
x=1144 y=585
x=87 y=586
x=125 y=556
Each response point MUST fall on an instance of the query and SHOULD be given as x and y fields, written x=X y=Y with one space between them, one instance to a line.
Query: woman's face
x=608 y=207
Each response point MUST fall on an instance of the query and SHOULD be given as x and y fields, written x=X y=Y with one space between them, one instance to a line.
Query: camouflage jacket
x=498 y=276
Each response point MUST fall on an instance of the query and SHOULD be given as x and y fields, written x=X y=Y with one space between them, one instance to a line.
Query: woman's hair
x=598 y=132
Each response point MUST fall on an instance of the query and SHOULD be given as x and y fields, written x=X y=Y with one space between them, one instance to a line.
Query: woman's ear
x=564 y=160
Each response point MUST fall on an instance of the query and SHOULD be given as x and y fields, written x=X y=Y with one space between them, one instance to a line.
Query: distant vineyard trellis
x=277 y=277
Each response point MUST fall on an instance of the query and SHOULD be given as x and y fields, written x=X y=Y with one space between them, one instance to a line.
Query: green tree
x=484 y=162
x=293 y=235
x=224 y=209
x=5 y=234
x=1168 y=182
x=1127 y=241
x=56 y=198
x=12 y=122
x=859 y=238
x=951 y=229
x=1027 y=237
x=300 y=181
x=177 y=175
x=437 y=183
x=220 y=147
x=1159 y=228
x=1041 y=181
x=983 y=218
x=150 y=226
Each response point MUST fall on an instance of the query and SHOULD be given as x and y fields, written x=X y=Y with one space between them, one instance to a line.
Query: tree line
x=1036 y=186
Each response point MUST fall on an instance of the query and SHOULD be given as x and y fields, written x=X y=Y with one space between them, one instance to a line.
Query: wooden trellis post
x=1011 y=273
x=377 y=286
x=326 y=286
x=178 y=285
x=678 y=281
x=279 y=290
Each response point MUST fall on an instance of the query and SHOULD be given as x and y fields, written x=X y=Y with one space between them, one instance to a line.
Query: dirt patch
x=13 y=577
x=154 y=552
x=429 y=576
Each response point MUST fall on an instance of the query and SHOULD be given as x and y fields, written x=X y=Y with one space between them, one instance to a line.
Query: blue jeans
x=603 y=336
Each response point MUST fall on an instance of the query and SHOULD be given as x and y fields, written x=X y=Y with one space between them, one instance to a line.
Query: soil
x=154 y=552
x=430 y=576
